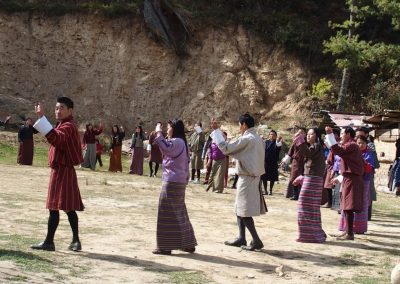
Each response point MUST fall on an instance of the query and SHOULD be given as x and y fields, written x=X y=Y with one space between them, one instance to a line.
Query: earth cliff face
x=117 y=73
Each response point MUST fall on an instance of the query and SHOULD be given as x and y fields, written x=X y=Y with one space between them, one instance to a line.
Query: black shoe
x=236 y=243
x=161 y=251
x=44 y=246
x=253 y=246
x=189 y=250
x=150 y=174
x=294 y=198
x=75 y=246
x=270 y=193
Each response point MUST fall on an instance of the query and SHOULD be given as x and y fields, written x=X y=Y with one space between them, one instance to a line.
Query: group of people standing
x=92 y=149
x=174 y=229
x=346 y=177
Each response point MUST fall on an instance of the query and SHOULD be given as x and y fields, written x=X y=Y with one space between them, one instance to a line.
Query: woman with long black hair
x=174 y=230
x=309 y=213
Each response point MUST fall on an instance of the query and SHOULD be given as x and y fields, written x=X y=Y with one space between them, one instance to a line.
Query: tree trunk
x=346 y=73
x=343 y=89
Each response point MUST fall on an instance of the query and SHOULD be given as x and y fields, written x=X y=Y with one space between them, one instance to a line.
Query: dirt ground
x=117 y=231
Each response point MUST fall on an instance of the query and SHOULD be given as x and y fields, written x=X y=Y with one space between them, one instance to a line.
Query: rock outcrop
x=116 y=73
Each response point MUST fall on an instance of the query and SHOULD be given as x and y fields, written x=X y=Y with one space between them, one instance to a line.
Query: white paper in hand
x=217 y=136
x=198 y=129
x=158 y=128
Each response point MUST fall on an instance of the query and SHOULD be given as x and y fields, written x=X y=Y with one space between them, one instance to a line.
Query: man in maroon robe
x=64 y=154
x=25 y=139
x=351 y=175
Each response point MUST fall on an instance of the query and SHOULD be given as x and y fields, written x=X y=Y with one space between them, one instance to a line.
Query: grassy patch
x=187 y=277
x=15 y=250
x=17 y=278
x=9 y=151
x=27 y=260
x=386 y=207
x=362 y=280
x=8 y=154
x=382 y=274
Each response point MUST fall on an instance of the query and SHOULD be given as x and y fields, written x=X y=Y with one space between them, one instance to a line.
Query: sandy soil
x=118 y=234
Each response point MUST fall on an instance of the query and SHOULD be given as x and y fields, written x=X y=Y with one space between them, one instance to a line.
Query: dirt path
x=118 y=233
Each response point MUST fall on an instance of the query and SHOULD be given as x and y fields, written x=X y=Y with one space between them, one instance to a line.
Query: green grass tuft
x=187 y=277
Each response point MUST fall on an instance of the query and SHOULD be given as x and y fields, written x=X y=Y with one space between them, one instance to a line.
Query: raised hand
x=328 y=130
x=158 y=128
x=298 y=133
x=39 y=109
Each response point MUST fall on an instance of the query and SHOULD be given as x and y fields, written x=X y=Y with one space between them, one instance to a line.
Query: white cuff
x=286 y=159
x=198 y=129
x=43 y=125
x=340 y=178
x=148 y=147
x=279 y=144
x=217 y=136
x=330 y=139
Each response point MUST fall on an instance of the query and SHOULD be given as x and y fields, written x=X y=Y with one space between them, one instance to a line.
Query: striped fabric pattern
x=336 y=196
x=65 y=152
x=25 y=152
x=309 y=214
x=360 y=223
x=174 y=230
x=63 y=193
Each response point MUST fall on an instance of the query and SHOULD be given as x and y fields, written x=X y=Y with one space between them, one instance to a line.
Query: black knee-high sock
x=242 y=228
x=193 y=172
x=349 y=222
x=156 y=168
x=235 y=180
x=198 y=174
x=54 y=218
x=330 y=197
x=73 y=221
x=265 y=184
x=271 y=185
x=249 y=223
x=151 y=168
x=296 y=192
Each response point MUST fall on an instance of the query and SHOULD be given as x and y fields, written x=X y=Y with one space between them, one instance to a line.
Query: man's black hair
x=336 y=131
x=363 y=129
x=247 y=119
x=66 y=101
x=350 y=131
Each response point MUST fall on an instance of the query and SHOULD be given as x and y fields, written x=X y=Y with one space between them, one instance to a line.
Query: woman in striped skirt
x=174 y=230
x=360 y=223
x=309 y=214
